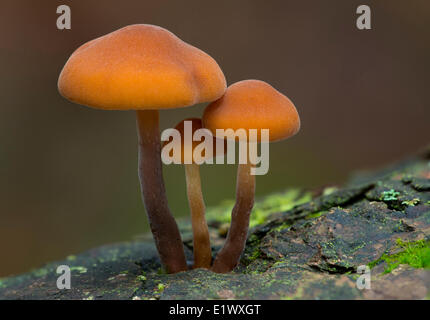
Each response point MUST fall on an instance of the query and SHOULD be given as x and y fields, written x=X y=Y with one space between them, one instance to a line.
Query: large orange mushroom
x=248 y=104
x=145 y=68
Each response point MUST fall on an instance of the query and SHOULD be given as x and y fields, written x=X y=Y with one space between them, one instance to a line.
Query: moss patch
x=277 y=202
x=389 y=195
x=415 y=254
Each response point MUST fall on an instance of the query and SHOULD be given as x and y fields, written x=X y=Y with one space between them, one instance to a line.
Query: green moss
x=40 y=272
x=316 y=214
x=411 y=203
x=220 y=213
x=283 y=226
x=278 y=202
x=252 y=250
x=416 y=254
x=79 y=269
x=329 y=190
x=160 y=288
x=390 y=195
x=141 y=278
x=255 y=255
x=161 y=271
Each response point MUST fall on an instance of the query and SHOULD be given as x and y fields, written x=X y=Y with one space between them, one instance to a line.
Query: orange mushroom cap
x=140 y=67
x=253 y=104
x=196 y=125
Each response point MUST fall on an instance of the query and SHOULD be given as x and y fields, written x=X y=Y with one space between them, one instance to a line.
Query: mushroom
x=248 y=104
x=201 y=241
x=145 y=68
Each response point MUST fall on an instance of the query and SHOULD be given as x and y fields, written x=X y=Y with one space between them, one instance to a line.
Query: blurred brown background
x=68 y=177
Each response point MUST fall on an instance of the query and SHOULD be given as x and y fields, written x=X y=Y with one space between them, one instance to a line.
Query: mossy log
x=301 y=245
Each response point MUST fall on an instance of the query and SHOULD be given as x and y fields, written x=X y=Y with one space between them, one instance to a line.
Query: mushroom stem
x=163 y=226
x=229 y=255
x=201 y=241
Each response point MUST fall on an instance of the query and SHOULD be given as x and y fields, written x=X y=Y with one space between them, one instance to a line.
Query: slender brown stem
x=229 y=255
x=163 y=226
x=201 y=241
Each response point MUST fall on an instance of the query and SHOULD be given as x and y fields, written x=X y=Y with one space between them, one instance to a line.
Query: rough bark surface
x=307 y=251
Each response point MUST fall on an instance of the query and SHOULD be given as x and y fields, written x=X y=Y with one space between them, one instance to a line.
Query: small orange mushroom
x=248 y=104
x=145 y=68
x=201 y=240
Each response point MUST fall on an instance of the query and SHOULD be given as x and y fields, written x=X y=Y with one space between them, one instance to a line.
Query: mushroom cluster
x=147 y=68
